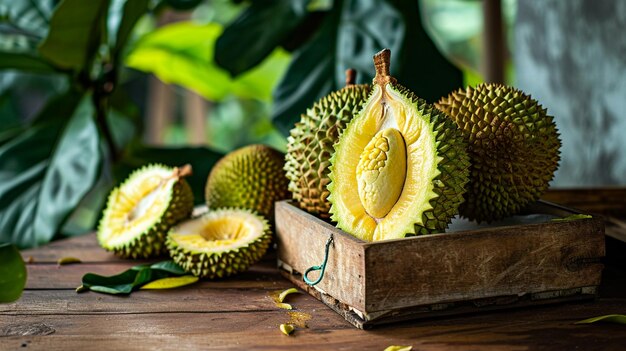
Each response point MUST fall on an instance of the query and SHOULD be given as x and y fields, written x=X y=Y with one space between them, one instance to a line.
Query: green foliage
x=348 y=36
x=12 y=273
x=182 y=53
x=131 y=279
x=70 y=131
x=76 y=31
x=47 y=169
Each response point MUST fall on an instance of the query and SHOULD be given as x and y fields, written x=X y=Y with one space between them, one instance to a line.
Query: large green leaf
x=257 y=32
x=45 y=173
x=12 y=273
x=24 y=62
x=353 y=32
x=182 y=53
x=130 y=14
x=76 y=32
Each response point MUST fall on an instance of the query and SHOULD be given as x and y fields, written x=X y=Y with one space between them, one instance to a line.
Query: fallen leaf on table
x=171 y=282
x=609 y=318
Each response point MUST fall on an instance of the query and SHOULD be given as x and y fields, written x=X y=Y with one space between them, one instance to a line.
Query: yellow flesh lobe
x=138 y=205
x=381 y=172
x=386 y=109
x=219 y=233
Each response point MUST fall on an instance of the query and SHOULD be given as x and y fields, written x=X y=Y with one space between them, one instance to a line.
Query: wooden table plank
x=546 y=327
x=238 y=313
x=52 y=276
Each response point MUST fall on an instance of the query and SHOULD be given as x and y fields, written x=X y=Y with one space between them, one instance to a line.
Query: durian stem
x=184 y=171
x=350 y=76
x=382 y=62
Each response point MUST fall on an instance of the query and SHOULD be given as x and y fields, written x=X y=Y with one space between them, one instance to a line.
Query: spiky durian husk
x=454 y=166
x=219 y=264
x=513 y=146
x=151 y=243
x=251 y=177
x=310 y=146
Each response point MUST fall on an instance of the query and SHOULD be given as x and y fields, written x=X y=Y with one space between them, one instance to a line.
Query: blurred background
x=90 y=90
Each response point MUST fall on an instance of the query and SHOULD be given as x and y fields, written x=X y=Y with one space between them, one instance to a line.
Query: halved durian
x=220 y=243
x=400 y=166
x=140 y=212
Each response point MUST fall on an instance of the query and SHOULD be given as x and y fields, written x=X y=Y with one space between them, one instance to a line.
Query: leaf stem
x=100 y=102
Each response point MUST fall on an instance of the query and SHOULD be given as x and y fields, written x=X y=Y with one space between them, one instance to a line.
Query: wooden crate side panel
x=479 y=264
x=301 y=239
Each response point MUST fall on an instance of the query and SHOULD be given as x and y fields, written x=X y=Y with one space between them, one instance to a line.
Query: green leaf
x=132 y=12
x=201 y=160
x=170 y=283
x=182 y=53
x=24 y=62
x=12 y=273
x=46 y=172
x=257 y=32
x=349 y=37
x=131 y=279
x=76 y=33
x=610 y=318
x=572 y=217
x=168 y=266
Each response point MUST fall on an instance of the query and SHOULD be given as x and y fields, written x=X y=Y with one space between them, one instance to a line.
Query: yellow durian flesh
x=419 y=187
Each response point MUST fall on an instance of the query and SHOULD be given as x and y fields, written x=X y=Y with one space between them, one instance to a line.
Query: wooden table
x=238 y=313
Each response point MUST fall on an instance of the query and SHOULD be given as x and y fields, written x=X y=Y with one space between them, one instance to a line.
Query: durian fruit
x=140 y=212
x=219 y=243
x=310 y=144
x=399 y=167
x=513 y=148
x=251 y=177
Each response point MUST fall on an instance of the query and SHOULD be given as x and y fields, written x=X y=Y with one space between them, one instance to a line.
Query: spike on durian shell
x=207 y=256
x=310 y=144
x=513 y=145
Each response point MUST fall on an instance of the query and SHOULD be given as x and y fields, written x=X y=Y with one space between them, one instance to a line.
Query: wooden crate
x=443 y=274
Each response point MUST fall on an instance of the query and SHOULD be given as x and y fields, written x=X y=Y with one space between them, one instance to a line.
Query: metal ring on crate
x=321 y=268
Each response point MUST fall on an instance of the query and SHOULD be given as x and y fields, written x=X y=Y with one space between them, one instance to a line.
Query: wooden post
x=493 y=42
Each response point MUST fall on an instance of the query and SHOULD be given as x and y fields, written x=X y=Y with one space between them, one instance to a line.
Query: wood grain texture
x=528 y=262
x=605 y=201
x=239 y=314
x=487 y=263
x=51 y=276
x=301 y=241
x=537 y=329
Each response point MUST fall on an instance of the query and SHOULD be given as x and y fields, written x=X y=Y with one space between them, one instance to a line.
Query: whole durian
x=310 y=145
x=513 y=146
x=141 y=211
x=251 y=177
x=399 y=168
x=220 y=243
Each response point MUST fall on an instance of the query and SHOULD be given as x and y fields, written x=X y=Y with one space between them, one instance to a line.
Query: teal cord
x=321 y=268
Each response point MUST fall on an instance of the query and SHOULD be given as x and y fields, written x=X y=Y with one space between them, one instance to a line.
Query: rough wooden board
x=478 y=264
x=52 y=276
x=302 y=246
x=538 y=329
x=607 y=201
x=84 y=247
x=183 y=299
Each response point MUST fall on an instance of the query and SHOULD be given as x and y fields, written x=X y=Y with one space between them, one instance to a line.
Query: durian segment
x=513 y=146
x=430 y=181
x=251 y=177
x=310 y=145
x=141 y=211
x=219 y=243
